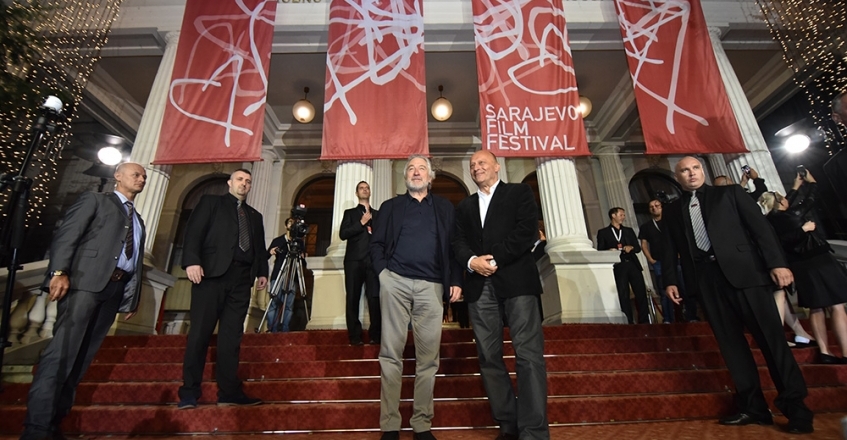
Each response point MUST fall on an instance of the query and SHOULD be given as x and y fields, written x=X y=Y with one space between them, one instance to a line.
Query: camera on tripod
x=299 y=229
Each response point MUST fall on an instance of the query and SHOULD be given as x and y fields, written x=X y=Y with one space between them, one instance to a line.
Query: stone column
x=347 y=175
x=149 y=203
x=561 y=206
x=382 y=187
x=262 y=190
x=759 y=156
x=615 y=181
x=504 y=173
x=718 y=165
x=578 y=281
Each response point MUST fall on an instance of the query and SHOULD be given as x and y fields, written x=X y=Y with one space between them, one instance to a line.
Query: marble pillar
x=759 y=156
x=578 y=282
x=616 y=182
x=149 y=203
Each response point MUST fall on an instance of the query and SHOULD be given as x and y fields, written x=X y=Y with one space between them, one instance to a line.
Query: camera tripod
x=290 y=273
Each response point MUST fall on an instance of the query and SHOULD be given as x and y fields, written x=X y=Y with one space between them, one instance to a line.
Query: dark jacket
x=797 y=243
x=510 y=232
x=356 y=234
x=386 y=231
x=606 y=240
x=211 y=237
x=88 y=243
x=744 y=243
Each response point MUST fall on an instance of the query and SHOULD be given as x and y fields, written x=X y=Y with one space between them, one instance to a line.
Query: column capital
x=715 y=32
x=605 y=148
x=172 y=38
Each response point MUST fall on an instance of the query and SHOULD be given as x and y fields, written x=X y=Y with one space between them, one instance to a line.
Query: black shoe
x=390 y=435
x=239 y=401
x=359 y=342
x=374 y=342
x=828 y=359
x=799 y=427
x=426 y=435
x=187 y=403
x=799 y=344
x=742 y=419
x=507 y=437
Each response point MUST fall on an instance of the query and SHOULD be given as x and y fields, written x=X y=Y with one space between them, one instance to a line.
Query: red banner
x=681 y=98
x=528 y=97
x=375 y=105
x=216 y=98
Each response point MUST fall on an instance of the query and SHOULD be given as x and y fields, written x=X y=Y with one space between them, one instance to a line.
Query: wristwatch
x=58 y=273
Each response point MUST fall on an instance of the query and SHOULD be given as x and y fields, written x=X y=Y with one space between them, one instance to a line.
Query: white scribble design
x=533 y=41
x=244 y=60
x=639 y=38
x=363 y=53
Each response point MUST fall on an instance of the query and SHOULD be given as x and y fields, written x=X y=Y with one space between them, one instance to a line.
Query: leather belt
x=120 y=275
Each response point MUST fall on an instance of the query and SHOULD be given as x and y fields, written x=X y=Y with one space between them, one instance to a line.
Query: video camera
x=299 y=229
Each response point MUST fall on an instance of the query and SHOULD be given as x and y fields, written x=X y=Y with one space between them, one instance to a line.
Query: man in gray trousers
x=94 y=272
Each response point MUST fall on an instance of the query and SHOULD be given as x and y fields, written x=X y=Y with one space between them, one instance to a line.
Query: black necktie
x=243 y=232
x=129 y=245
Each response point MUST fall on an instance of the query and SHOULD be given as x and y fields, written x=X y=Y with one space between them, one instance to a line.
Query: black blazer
x=745 y=245
x=510 y=232
x=211 y=237
x=606 y=240
x=356 y=235
x=88 y=243
x=386 y=231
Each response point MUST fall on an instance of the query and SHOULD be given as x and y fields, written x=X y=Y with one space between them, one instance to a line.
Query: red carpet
x=315 y=381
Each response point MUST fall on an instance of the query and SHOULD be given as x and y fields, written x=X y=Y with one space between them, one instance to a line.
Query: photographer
x=818 y=276
x=279 y=248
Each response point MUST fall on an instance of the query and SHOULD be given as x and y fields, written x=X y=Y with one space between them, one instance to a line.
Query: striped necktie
x=129 y=244
x=243 y=231
x=701 y=237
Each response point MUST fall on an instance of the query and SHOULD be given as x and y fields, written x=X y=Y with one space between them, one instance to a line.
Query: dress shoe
x=742 y=419
x=187 y=403
x=425 y=435
x=390 y=435
x=507 y=436
x=239 y=401
x=374 y=342
x=828 y=359
x=355 y=343
x=799 y=427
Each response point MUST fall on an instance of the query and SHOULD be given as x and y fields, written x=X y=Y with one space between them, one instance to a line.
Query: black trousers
x=83 y=321
x=358 y=273
x=629 y=274
x=729 y=311
x=221 y=301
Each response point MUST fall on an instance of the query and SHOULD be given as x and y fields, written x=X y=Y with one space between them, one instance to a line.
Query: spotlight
x=797 y=143
x=110 y=155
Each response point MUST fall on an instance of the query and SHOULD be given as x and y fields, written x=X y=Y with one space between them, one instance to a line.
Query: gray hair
x=428 y=164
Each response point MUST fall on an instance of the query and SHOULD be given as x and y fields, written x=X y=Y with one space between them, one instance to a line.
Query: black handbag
x=812 y=244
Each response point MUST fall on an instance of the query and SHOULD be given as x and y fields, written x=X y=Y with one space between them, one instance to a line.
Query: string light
x=71 y=37
x=812 y=35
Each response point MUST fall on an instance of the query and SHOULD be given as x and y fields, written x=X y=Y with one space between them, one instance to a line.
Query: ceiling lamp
x=441 y=109
x=584 y=106
x=303 y=110
x=797 y=143
x=110 y=155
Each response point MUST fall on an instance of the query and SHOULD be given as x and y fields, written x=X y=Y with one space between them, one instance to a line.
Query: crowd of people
x=417 y=251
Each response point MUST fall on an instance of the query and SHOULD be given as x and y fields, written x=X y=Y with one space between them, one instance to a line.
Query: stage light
x=110 y=156
x=797 y=143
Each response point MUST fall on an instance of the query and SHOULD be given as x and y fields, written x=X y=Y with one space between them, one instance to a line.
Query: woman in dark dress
x=820 y=279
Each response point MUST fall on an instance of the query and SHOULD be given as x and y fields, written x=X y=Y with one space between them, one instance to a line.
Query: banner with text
x=680 y=94
x=375 y=98
x=216 y=97
x=528 y=99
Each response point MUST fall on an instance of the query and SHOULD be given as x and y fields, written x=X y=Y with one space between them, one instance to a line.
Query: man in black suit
x=628 y=271
x=496 y=231
x=732 y=254
x=94 y=272
x=280 y=248
x=223 y=252
x=411 y=254
x=357 y=228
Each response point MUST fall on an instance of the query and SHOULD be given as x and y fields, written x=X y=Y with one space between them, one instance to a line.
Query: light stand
x=13 y=229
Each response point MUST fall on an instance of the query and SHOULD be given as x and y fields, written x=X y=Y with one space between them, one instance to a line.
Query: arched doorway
x=449 y=187
x=317 y=195
x=649 y=184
